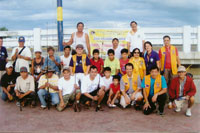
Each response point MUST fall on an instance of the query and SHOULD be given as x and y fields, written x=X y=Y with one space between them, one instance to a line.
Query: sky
x=29 y=14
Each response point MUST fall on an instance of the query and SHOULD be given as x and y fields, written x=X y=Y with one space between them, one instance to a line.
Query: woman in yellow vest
x=130 y=86
x=154 y=91
x=138 y=63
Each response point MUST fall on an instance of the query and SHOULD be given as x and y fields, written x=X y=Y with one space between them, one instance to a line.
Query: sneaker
x=177 y=110
x=110 y=105
x=188 y=113
x=113 y=105
x=43 y=107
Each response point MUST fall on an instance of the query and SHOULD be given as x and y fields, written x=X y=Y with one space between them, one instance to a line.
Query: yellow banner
x=102 y=39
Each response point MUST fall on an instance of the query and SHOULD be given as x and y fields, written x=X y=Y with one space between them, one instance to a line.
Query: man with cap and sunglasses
x=25 y=88
x=181 y=89
x=21 y=55
x=48 y=81
x=8 y=81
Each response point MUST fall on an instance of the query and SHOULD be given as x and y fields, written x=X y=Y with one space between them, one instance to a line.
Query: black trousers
x=161 y=102
x=84 y=98
x=30 y=97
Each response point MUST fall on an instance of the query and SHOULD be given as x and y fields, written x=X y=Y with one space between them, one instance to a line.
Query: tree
x=3 y=29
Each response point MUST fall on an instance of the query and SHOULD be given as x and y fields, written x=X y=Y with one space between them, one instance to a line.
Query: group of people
x=134 y=76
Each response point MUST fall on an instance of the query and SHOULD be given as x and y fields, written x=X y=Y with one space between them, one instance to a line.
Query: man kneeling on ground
x=182 y=89
x=25 y=88
x=48 y=81
x=68 y=91
x=92 y=88
x=8 y=81
x=130 y=86
x=154 y=90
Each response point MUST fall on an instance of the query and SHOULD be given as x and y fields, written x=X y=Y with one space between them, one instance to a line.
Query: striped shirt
x=53 y=81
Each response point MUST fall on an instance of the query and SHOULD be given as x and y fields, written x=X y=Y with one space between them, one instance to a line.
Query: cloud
x=27 y=14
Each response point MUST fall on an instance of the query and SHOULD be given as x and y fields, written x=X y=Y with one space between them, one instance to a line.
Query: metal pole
x=60 y=24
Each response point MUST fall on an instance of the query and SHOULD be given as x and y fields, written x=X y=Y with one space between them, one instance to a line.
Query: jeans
x=4 y=96
x=42 y=94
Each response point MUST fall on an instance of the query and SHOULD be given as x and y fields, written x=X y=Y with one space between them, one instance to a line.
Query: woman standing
x=151 y=57
x=138 y=63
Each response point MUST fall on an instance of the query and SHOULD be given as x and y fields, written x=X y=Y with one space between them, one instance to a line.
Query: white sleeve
x=32 y=85
x=17 y=84
x=84 y=85
x=101 y=82
x=28 y=53
x=128 y=37
x=60 y=84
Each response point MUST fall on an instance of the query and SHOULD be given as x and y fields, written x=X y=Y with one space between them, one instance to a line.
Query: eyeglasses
x=136 y=52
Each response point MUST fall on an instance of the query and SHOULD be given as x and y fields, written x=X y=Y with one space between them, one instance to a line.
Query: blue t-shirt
x=163 y=84
x=153 y=57
x=79 y=68
x=3 y=56
x=51 y=63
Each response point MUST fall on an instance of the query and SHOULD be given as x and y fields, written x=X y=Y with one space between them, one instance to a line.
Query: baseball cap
x=181 y=69
x=23 y=69
x=21 y=39
x=8 y=65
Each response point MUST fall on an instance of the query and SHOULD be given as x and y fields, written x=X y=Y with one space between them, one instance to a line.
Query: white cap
x=8 y=65
x=181 y=69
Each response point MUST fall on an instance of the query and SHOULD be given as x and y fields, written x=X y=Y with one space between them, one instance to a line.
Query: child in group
x=123 y=61
x=97 y=61
x=114 y=92
x=107 y=79
x=112 y=62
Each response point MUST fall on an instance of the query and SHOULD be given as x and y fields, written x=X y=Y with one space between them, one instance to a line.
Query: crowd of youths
x=135 y=76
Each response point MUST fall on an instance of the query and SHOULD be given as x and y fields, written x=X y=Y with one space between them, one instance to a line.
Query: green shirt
x=114 y=65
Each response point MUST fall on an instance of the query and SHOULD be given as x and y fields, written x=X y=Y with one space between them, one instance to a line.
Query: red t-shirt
x=98 y=64
x=115 y=89
x=122 y=65
x=168 y=57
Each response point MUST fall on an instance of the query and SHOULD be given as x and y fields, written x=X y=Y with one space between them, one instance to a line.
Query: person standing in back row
x=135 y=38
x=79 y=37
x=21 y=55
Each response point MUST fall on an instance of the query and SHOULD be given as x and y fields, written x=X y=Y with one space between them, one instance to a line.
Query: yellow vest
x=134 y=81
x=140 y=70
x=84 y=66
x=157 y=84
x=173 y=59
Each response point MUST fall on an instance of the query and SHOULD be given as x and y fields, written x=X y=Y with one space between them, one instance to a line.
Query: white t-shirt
x=21 y=62
x=65 y=60
x=107 y=82
x=118 y=52
x=67 y=86
x=24 y=85
x=90 y=86
x=135 y=40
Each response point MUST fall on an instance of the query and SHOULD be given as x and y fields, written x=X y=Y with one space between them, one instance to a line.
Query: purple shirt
x=153 y=57
x=3 y=56
x=79 y=68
